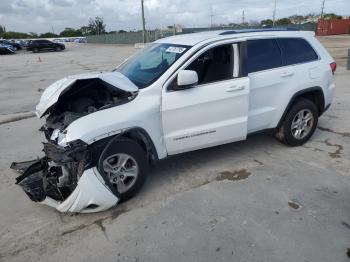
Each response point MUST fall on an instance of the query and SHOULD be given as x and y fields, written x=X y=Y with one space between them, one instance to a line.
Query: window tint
x=261 y=55
x=214 y=65
x=297 y=50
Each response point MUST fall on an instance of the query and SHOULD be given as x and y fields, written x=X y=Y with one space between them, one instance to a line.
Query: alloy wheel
x=302 y=124
x=122 y=171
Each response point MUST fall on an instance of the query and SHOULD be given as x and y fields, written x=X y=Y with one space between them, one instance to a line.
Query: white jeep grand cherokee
x=179 y=94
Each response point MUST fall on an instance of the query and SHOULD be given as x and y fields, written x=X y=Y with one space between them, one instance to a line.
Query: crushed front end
x=66 y=179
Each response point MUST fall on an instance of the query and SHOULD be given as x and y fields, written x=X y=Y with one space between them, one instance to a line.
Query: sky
x=41 y=16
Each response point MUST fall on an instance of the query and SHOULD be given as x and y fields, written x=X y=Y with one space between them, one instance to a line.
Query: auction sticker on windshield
x=175 y=49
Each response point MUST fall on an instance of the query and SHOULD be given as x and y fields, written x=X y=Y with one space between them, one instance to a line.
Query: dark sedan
x=39 y=45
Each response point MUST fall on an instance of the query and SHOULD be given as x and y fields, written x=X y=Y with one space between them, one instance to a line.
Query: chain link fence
x=136 y=37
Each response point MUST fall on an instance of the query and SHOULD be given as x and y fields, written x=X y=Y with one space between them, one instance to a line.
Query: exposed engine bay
x=55 y=177
x=82 y=98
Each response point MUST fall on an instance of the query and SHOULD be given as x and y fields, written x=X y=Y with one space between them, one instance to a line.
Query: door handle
x=286 y=74
x=235 y=88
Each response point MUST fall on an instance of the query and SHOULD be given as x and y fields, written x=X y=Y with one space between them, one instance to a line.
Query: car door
x=47 y=44
x=212 y=112
x=269 y=82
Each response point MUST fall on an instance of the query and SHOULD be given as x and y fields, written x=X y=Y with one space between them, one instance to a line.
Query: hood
x=52 y=93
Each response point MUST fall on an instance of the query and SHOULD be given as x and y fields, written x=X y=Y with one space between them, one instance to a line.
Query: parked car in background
x=21 y=43
x=7 y=49
x=80 y=40
x=13 y=44
x=40 y=45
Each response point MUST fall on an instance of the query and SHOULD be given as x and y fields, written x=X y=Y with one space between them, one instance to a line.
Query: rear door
x=269 y=82
x=47 y=44
x=212 y=112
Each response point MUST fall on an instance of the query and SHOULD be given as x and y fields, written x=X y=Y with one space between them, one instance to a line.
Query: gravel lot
x=255 y=200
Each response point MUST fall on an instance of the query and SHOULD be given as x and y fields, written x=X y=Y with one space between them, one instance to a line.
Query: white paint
x=199 y=117
x=90 y=190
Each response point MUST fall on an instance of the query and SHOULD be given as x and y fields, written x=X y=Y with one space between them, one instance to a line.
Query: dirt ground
x=255 y=200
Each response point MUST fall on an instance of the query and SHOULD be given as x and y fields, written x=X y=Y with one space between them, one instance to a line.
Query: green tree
x=84 y=30
x=266 y=22
x=71 y=32
x=33 y=35
x=283 y=21
x=14 y=35
x=96 y=26
x=48 y=35
x=332 y=16
x=297 y=19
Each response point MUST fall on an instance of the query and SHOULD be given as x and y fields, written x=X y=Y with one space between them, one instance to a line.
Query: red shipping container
x=333 y=26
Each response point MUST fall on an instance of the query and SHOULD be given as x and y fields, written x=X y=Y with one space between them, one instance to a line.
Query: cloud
x=41 y=15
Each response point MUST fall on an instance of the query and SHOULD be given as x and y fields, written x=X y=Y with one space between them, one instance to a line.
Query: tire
x=302 y=129
x=58 y=48
x=35 y=50
x=116 y=152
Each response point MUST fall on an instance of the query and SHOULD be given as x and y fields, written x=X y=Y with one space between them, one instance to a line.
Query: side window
x=297 y=50
x=262 y=54
x=214 y=65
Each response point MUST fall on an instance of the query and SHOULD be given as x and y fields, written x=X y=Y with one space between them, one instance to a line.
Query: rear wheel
x=35 y=50
x=125 y=166
x=299 y=123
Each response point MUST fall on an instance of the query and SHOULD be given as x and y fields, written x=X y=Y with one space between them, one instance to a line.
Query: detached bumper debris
x=31 y=178
x=65 y=179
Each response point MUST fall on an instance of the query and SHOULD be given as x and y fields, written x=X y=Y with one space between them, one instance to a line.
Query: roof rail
x=256 y=30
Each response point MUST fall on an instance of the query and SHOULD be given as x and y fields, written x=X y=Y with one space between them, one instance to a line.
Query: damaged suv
x=179 y=94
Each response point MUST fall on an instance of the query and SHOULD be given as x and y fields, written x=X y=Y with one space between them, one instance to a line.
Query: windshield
x=148 y=65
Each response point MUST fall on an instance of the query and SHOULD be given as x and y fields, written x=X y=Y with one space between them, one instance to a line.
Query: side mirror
x=186 y=79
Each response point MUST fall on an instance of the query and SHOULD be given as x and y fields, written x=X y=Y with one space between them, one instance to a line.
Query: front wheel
x=299 y=124
x=124 y=165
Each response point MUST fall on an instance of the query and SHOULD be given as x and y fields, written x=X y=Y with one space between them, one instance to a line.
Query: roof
x=195 y=38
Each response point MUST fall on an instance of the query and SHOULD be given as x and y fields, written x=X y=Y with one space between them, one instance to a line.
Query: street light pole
x=322 y=8
x=274 y=15
x=143 y=24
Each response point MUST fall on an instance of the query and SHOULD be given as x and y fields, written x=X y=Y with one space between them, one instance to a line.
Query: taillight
x=333 y=67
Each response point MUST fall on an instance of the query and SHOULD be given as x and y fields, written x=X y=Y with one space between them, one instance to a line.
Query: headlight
x=59 y=137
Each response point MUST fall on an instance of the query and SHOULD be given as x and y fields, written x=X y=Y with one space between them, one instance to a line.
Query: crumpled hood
x=52 y=93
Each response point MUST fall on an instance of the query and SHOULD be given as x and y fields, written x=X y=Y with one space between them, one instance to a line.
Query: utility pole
x=322 y=9
x=243 y=17
x=143 y=23
x=274 y=15
x=211 y=20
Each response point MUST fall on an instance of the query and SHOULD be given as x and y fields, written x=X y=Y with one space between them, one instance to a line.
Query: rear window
x=297 y=50
x=262 y=54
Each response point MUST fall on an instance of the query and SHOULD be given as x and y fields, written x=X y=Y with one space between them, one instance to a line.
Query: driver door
x=213 y=112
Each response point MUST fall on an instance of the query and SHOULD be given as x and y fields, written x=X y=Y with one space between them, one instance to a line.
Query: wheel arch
x=315 y=94
x=137 y=134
